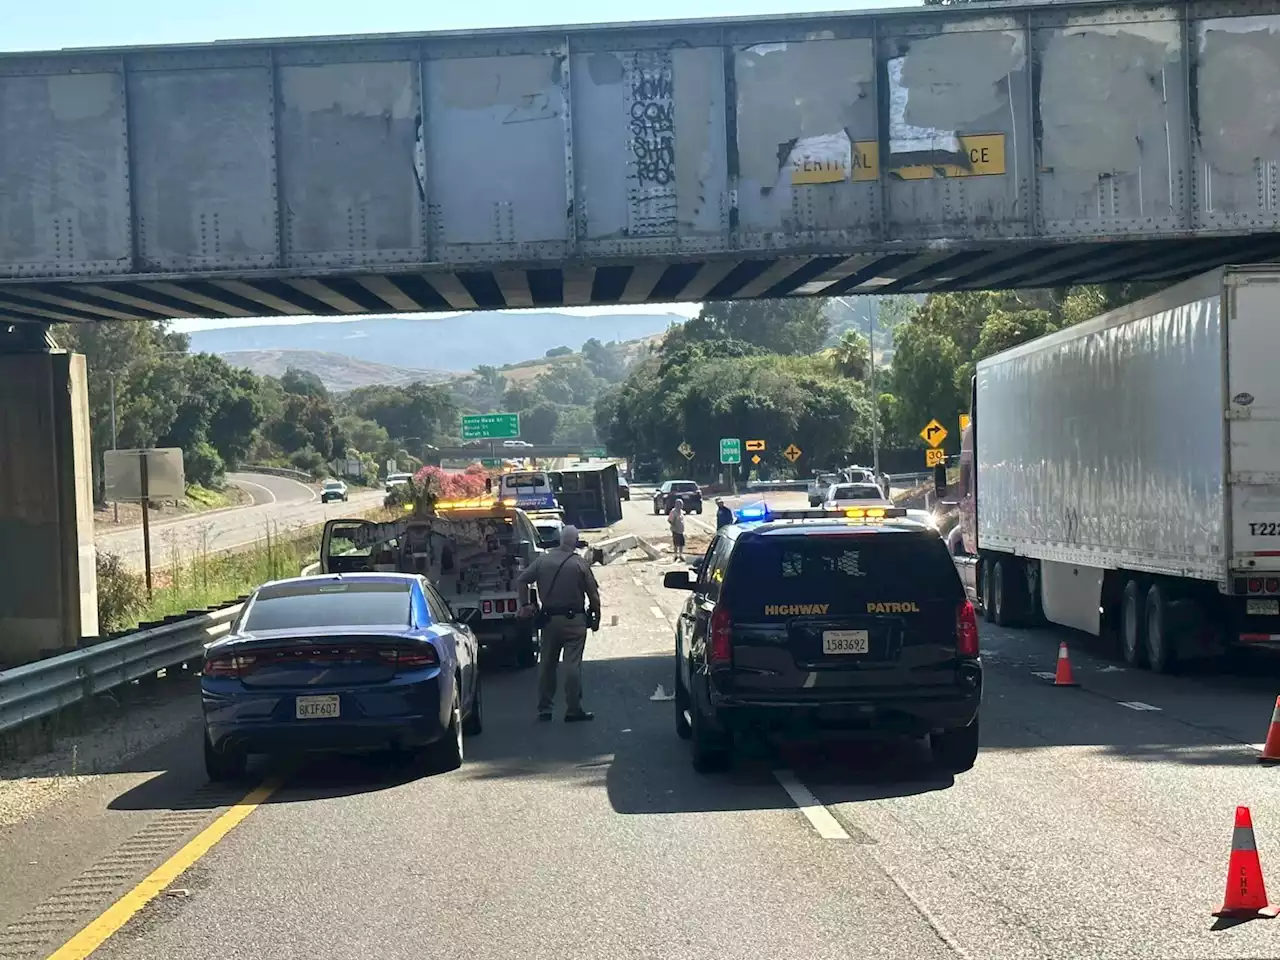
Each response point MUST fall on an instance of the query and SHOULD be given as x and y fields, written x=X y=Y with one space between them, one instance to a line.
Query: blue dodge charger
x=347 y=662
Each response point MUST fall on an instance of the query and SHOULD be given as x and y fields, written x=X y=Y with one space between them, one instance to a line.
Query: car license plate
x=845 y=641
x=314 y=708
x=1263 y=608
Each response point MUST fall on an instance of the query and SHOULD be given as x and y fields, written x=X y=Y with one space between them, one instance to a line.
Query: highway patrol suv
x=826 y=620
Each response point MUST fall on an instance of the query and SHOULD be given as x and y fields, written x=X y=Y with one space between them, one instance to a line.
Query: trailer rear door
x=1252 y=331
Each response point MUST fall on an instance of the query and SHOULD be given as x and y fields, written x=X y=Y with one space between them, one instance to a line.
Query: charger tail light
x=229 y=665
x=720 y=650
x=966 y=630
x=415 y=658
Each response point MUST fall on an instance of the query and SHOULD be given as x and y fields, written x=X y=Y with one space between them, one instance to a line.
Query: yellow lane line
x=119 y=913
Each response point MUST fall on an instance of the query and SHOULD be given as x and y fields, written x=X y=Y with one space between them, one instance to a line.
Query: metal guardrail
x=286 y=472
x=44 y=687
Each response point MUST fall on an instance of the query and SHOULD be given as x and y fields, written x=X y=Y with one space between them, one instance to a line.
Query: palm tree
x=851 y=355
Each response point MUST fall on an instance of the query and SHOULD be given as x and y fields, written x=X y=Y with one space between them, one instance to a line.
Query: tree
x=606 y=362
x=418 y=410
x=576 y=426
x=538 y=425
x=851 y=354
x=789 y=327
x=559 y=352
x=518 y=397
x=925 y=362
x=303 y=383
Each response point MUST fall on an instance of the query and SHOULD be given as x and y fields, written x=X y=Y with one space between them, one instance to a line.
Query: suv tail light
x=228 y=666
x=966 y=630
x=720 y=650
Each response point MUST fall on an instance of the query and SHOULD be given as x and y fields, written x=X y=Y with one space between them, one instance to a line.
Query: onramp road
x=280 y=505
x=1087 y=829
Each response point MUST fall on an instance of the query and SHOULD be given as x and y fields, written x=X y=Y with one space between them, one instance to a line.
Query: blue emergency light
x=758 y=512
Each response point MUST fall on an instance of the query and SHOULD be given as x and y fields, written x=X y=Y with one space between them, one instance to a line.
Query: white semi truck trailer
x=1122 y=476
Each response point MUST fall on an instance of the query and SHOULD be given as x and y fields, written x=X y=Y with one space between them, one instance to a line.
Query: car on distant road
x=397 y=480
x=341 y=662
x=855 y=495
x=686 y=491
x=333 y=490
x=516 y=443
x=814 y=622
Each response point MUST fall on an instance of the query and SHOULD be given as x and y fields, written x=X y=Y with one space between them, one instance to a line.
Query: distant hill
x=529 y=370
x=337 y=372
x=458 y=343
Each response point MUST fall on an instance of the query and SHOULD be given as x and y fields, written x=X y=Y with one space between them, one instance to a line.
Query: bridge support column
x=48 y=578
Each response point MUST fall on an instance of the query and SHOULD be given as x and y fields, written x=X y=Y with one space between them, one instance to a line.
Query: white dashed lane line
x=1136 y=705
x=657 y=613
x=823 y=821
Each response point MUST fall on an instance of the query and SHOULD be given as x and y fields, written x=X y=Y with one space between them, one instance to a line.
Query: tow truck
x=472 y=551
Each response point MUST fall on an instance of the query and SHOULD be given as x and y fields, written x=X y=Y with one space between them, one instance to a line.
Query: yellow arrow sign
x=933 y=433
x=755 y=444
x=792 y=453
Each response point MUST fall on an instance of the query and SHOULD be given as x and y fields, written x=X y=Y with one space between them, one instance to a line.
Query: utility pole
x=115 y=507
x=871 y=385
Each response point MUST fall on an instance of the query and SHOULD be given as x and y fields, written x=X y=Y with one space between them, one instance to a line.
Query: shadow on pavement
x=631 y=750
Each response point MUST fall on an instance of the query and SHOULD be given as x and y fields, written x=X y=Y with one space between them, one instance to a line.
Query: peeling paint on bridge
x=905 y=151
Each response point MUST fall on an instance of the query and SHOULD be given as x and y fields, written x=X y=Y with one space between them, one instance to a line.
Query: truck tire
x=1161 y=640
x=988 y=588
x=1007 y=581
x=1133 y=624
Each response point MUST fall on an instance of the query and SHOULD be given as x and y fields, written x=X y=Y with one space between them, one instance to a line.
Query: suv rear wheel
x=955 y=750
x=712 y=751
x=683 y=708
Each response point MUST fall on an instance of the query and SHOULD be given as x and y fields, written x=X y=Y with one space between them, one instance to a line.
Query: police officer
x=569 y=602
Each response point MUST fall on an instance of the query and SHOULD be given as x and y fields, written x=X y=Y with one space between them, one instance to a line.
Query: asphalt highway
x=1096 y=823
x=280 y=505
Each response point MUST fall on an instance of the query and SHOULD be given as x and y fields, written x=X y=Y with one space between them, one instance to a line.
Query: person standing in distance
x=675 y=520
x=569 y=606
x=724 y=516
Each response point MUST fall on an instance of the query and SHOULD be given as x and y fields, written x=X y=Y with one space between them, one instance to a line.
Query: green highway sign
x=593 y=452
x=730 y=450
x=486 y=462
x=491 y=426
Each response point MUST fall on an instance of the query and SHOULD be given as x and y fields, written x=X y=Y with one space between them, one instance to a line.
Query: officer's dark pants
x=569 y=636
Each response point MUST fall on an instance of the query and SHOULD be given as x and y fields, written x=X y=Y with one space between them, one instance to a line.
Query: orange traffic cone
x=1063 y=677
x=1246 y=894
x=1271 y=749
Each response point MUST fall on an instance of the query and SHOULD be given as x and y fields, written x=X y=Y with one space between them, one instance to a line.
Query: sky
x=97 y=23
